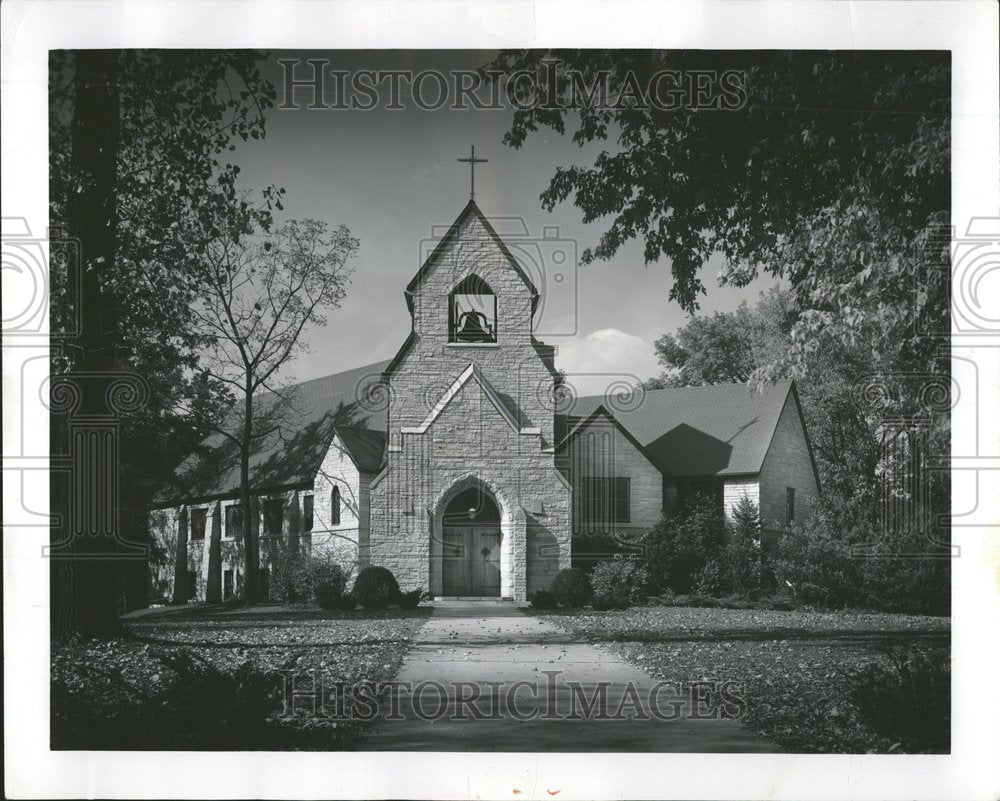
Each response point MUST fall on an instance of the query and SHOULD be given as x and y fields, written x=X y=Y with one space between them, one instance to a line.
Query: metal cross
x=472 y=161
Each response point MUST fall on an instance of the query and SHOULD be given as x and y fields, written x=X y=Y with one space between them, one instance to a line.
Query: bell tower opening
x=472 y=312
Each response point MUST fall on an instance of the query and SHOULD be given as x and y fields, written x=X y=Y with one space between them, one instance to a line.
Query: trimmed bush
x=619 y=582
x=375 y=588
x=571 y=587
x=411 y=599
x=543 y=600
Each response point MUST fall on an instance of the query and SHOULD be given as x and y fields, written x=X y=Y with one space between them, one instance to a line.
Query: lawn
x=212 y=678
x=794 y=670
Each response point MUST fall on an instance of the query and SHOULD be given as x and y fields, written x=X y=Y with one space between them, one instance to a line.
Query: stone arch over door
x=508 y=561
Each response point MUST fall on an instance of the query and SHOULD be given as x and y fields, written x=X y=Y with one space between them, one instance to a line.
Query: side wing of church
x=452 y=466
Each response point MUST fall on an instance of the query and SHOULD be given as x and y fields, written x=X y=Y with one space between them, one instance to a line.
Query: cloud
x=605 y=358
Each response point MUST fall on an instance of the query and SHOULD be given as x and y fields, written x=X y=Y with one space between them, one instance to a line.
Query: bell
x=473 y=328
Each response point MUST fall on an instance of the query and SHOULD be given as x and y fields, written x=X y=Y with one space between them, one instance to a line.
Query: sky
x=392 y=178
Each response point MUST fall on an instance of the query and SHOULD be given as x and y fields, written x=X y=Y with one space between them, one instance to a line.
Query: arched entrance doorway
x=470 y=553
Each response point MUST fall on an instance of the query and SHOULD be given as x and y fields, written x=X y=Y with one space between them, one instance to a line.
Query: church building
x=465 y=464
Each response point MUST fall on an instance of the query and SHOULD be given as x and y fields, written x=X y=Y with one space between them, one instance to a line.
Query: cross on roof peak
x=472 y=161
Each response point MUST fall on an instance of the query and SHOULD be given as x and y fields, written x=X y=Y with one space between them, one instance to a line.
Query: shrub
x=375 y=588
x=329 y=583
x=679 y=546
x=411 y=599
x=779 y=602
x=818 y=569
x=894 y=580
x=207 y=706
x=619 y=582
x=713 y=578
x=571 y=587
x=742 y=556
x=291 y=581
x=614 y=600
x=543 y=600
x=906 y=698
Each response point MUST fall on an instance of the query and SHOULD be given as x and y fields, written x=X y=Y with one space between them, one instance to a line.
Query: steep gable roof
x=452 y=234
x=290 y=456
x=695 y=431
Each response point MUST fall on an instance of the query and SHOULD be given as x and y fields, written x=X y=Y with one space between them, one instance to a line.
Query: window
x=472 y=312
x=789 y=505
x=335 y=506
x=198 y=517
x=192 y=585
x=234 y=521
x=307 y=513
x=227 y=585
x=273 y=513
x=606 y=501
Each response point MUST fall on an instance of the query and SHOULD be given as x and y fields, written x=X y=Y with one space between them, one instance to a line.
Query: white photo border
x=967 y=29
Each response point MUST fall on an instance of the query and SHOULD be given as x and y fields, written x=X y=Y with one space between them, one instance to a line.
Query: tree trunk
x=87 y=586
x=250 y=517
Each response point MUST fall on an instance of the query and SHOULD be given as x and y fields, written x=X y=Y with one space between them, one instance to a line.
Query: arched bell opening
x=472 y=312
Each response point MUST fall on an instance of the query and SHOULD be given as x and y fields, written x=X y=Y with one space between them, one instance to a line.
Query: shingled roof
x=695 y=431
x=291 y=456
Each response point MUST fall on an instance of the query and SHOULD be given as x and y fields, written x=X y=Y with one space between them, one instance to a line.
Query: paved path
x=528 y=681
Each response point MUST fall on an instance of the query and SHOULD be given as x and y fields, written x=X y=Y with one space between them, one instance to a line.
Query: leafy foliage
x=375 y=588
x=905 y=697
x=411 y=599
x=837 y=203
x=329 y=584
x=619 y=582
x=543 y=600
x=571 y=587
x=743 y=553
x=291 y=580
x=141 y=176
x=681 y=545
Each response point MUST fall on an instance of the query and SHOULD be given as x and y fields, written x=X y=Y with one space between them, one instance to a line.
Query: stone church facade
x=464 y=466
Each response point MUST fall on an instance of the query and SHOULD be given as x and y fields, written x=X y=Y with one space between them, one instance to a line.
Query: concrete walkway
x=491 y=678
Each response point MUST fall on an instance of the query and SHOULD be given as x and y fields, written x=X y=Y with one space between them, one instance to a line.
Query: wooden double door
x=471 y=560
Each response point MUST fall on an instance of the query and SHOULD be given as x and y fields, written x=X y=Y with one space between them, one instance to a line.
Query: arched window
x=472 y=312
x=335 y=506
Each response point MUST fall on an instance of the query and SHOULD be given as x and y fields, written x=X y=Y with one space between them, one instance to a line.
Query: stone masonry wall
x=470 y=437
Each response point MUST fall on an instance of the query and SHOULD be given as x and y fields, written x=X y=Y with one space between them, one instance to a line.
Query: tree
x=140 y=182
x=262 y=294
x=832 y=176
x=737 y=346
x=708 y=350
